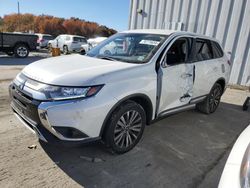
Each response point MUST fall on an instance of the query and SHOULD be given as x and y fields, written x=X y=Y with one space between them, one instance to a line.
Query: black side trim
x=175 y=108
x=191 y=102
x=120 y=102
x=196 y=99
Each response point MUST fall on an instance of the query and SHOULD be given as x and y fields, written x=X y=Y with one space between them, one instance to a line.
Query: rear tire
x=49 y=47
x=21 y=50
x=212 y=101
x=83 y=52
x=125 y=127
x=65 y=50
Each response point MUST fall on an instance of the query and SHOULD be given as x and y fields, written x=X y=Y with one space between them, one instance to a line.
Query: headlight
x=61 y=92
x=245 y=169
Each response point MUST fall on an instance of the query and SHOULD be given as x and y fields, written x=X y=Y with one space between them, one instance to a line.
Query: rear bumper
x=30 y=113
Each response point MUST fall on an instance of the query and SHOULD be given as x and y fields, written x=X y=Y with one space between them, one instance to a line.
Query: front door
x=177 y=76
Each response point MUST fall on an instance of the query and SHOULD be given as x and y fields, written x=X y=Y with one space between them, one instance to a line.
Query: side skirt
x=178 y=109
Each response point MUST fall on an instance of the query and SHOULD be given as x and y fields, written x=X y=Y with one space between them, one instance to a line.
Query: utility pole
x=18 y=12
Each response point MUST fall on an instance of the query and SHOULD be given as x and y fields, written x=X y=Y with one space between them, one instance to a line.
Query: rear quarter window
x=203 y=50
x=79 y=39
x=217 y=51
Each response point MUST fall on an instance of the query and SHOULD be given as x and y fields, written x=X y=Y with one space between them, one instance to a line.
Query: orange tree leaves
x=53 y=25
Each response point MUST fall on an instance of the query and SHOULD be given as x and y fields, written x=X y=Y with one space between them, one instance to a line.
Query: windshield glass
x=128 y=47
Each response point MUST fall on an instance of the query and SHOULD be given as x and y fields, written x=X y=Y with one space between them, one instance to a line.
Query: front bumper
x=33 y=114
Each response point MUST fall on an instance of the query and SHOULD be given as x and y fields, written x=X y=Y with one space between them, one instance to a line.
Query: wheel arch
x=139 y=98
x=222 y=82
x=21 y=42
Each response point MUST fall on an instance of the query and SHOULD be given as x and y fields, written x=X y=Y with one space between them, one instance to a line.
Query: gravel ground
x=188 y=149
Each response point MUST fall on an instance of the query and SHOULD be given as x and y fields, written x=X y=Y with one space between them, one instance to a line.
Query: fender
x=139 y=95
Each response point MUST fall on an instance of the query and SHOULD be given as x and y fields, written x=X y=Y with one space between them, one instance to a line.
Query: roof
x=168 y=32
x=72 y=35
x=152 y=31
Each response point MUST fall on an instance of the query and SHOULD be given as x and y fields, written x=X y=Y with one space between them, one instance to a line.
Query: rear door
x=207 y=68
x=177 y=76
x=61 y=41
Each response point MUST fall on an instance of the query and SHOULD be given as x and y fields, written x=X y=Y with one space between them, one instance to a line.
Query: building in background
x=226 y=20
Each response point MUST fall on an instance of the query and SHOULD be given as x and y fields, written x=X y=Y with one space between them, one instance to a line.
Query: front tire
x=21 y=51
x=212 y=101
x=125 y=127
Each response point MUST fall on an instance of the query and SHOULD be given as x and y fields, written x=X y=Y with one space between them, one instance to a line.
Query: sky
x=112 y=13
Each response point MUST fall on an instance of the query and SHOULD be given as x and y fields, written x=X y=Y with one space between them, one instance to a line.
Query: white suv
x=43 y=39
x=70 y=43
x=113 y=96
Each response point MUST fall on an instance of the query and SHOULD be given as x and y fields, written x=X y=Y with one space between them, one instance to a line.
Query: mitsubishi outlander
x=126 y=82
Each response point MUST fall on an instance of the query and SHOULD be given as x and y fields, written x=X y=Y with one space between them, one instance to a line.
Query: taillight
x=229 y=62
x=40 y=40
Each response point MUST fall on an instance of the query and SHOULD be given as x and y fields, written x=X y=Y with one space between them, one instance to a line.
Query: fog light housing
x=69 y=132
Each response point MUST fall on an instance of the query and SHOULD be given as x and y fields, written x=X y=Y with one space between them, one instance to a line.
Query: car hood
x=73 y=70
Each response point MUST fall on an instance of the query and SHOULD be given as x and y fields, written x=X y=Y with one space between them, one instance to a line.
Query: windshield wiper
x=106 y=57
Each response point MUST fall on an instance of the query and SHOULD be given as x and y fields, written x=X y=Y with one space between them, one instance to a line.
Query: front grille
x=22 y=93
x=24 y=103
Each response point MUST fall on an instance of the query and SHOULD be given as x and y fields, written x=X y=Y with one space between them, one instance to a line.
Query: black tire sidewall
x=65 y=52
x=216 y=85
x=21 y=45
x=109 y=133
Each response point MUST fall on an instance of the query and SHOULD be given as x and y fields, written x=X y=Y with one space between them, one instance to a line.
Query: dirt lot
x=184 y=150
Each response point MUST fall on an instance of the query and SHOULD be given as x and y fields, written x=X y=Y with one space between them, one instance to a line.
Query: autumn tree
x=53 y=25
x=1 y=23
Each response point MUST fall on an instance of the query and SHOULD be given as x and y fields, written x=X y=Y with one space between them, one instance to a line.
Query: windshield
x=128 y=47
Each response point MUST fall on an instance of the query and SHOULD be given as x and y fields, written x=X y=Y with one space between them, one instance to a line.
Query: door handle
x=186 y=75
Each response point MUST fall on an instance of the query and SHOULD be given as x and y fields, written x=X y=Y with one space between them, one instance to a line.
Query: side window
x=203 y=50
x=217 y=51
x=177 y=53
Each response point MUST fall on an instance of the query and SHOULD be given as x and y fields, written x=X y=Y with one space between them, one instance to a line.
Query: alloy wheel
x=214 y=99
x=127 y=129
x=22 y=51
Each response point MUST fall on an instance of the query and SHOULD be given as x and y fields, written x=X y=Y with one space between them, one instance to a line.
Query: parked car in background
x=115 y=47
x=113 y=96
x=18 y=44
x=236 y=172
x=85 y=48
x=95 y=41
x=43 y=39
x=69 y=43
